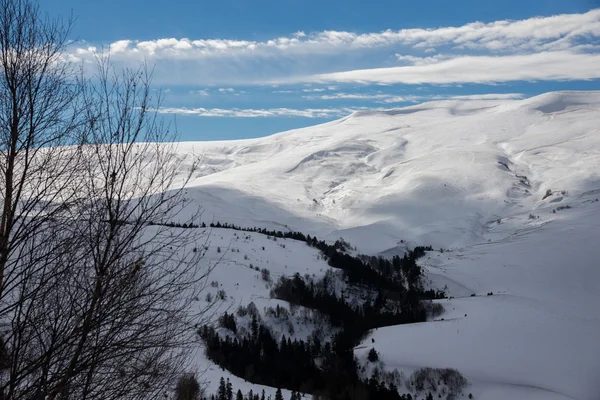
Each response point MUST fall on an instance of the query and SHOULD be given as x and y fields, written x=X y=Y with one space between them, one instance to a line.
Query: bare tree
x=38 y=115
x=98 y=295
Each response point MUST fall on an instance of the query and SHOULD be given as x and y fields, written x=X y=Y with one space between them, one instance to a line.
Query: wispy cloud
x=257 y=113
x=226 y=90
x=391 y=98
x=556 y=65
x=488 y=96
x=352 y=96
x=322 y=112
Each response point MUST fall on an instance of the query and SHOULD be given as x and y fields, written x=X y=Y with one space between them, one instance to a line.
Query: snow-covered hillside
x=437 y=173
x=508 y=188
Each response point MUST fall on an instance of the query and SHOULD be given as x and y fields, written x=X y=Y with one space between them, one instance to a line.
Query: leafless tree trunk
x=98 y=296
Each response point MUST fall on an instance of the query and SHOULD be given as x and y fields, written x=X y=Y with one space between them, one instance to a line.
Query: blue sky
x=237 y=68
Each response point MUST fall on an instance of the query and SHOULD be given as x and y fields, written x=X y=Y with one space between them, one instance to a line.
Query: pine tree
x=239 y=395
x=254 y=327
x=373 y=356
x=222 y=392
x=278 y=395
x=262 y=396
x=229 y=390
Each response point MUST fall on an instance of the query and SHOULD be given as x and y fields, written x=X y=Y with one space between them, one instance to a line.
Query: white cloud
x=391 y=98
x=119 y=46
x=489 y=96
x=203 y=92
x=323 y=112
x=561 y=47
x=352 y=96
x=557 y=65
x=226 y=90
x=408 y=59
x=540 y=33
x=313 y=90
x=282 y=91
x=256 y=113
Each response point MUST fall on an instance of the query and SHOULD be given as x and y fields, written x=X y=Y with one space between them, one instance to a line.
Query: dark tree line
x=327 y=370
x=260 y=358
x=176 y=224
x=226 y=392
x=353 y=318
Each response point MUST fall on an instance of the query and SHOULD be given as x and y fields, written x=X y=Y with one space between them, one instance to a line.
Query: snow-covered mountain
x=508 y=188
x=439 y=173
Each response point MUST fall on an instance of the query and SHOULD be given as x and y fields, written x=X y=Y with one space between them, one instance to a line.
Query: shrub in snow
x=253 y=310
x=428 y=378
x=227 y=321
x=187 y=388
x=434 y=309
x=265 y=274
x=242 y=311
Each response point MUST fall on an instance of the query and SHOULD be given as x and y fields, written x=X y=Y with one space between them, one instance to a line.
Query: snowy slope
x=436 y=173
x=537 y=336
x=510 y=187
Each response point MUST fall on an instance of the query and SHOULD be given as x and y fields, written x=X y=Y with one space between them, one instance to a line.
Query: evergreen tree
x=278 y=395
x=222 y=392
x=229 y=390
x=254 y=327
x=239 y=395
x=295 y=396
x=373 y=356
